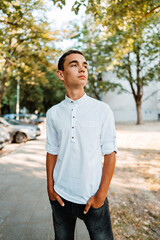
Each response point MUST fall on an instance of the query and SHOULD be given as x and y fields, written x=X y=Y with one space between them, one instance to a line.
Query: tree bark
x=0 y=104
x=139 y=88
x=137 y=95
x=2 y=83
x=96 y=94
x=139 y=112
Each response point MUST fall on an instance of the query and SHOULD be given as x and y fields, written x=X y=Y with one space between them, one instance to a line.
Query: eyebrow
x=75 y=61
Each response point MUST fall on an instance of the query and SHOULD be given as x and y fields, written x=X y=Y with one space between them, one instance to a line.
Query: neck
x=75 y=94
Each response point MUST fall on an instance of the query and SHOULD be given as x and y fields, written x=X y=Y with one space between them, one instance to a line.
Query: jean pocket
x=97 y=209
x=52 y=201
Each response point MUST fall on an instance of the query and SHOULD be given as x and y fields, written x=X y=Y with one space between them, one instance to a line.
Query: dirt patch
x=135 y=189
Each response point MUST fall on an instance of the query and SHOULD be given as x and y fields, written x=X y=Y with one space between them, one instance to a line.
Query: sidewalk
x=25 y=212
x=134 y=193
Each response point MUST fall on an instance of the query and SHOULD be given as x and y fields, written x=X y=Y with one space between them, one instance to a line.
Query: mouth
x=81 y=76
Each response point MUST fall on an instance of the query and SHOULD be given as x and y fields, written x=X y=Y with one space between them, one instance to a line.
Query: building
x=123 y=104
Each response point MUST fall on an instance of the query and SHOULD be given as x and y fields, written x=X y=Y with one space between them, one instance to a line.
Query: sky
x=59 y=18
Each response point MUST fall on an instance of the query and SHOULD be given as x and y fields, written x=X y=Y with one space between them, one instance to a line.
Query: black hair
x=62 y=58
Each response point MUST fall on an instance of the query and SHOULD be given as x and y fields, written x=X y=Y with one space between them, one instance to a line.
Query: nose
x=82 y=69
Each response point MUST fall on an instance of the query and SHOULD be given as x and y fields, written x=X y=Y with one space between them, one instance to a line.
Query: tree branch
x=146 y=15
x=150 y=95
x=139 y=85
x=7 y=22
x=130 y=77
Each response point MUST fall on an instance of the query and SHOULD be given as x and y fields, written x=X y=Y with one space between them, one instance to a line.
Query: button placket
x=73 y=109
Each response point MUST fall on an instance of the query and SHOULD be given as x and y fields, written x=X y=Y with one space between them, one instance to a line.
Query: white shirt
x=79 y=132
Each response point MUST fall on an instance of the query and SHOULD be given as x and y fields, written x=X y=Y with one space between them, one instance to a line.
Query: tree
x=117 y=15
x=37 y=95
x=89 y=40
x=140 y=67
x=25 y=43
x=129 y=18
x=53 y=91
x=125 y=26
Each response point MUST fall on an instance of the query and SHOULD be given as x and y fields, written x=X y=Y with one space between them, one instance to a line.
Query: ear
x=60 y=75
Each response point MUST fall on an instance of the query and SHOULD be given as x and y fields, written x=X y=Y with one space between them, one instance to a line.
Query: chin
x=81 y=84
x=85 y=83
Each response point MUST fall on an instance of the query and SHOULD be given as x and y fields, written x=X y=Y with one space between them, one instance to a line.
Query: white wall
x=123 y=105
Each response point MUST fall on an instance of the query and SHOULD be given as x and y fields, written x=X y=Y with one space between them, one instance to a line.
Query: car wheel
x=20 y=138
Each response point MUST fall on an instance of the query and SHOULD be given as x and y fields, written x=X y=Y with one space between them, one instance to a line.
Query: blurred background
x=121 y=42
x=119 y=39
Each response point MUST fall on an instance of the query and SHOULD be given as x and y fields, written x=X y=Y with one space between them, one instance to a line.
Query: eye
x=86 y=66
x=73 y=65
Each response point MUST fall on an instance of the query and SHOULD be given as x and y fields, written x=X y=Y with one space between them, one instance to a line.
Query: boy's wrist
x=50 y=185
x=101 y=194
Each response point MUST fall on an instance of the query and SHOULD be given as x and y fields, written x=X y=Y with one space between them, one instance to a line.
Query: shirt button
x=72 y=109
x=73 y=116
x=72 y=137
x=71 y=101
x=72 y=127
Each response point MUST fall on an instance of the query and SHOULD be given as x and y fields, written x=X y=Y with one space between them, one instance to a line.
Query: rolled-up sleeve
x=52 y=136
x=108 y=133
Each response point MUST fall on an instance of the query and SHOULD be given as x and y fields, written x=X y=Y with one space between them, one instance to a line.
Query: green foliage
x=9 y=97
x=26 y=43
x=127 y=18
x=94 y=48
x=53 y=90
x=117 y=34
x=124 y=38
x=9 y=6
x=141 y=65
x=37 y=95
x=76 y=6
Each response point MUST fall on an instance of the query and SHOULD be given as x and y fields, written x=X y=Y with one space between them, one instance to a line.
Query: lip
x=81 y=76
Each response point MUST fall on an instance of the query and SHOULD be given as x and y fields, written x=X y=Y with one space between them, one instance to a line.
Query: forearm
x=50 y=164
x=107 y=173
x=98 y=199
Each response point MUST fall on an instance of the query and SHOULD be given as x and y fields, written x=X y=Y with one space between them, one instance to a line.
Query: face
x=75 y=72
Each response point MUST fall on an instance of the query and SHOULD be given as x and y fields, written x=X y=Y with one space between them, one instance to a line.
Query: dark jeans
x=97 y=220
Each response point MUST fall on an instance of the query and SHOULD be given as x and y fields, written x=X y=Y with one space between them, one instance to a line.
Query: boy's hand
x=95 y=201
x=53 y=196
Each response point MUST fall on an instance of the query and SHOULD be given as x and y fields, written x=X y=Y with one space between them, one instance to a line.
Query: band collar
x=80 y=100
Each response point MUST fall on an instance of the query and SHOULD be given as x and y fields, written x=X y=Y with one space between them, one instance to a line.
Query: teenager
x=80 y=129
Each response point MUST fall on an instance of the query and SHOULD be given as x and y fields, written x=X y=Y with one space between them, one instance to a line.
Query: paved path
x=25 y=212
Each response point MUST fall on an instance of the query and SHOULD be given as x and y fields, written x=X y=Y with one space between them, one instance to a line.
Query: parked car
x=19 y=133
x=4 y=137
x=16 y=122
x=25 y=118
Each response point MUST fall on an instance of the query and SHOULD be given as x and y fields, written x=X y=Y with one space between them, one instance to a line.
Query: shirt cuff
x=109 y=148
x=53 y=150
x=110 y=151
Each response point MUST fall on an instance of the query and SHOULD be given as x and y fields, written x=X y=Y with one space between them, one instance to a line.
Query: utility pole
x=17 y=104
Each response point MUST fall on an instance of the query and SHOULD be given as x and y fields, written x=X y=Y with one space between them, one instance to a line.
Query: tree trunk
x=139 y=84
x=139 y=112
x=0 y=104
x=96 y=94
x=2 y=82
x=1 y=94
